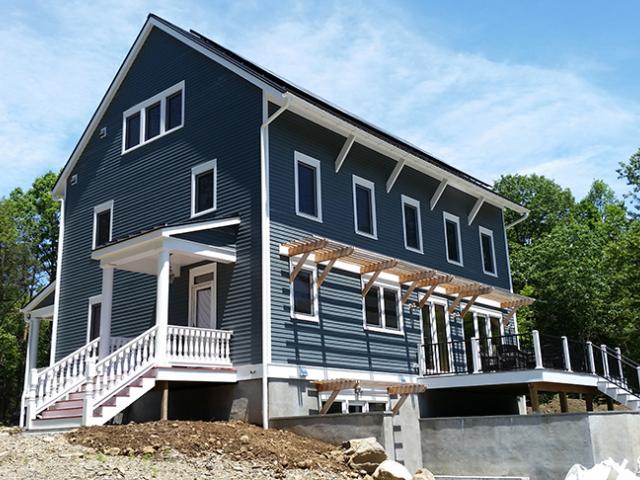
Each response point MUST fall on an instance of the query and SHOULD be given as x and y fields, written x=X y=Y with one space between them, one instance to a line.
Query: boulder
x=423 y=474
x=390 y=470
x=365 y=454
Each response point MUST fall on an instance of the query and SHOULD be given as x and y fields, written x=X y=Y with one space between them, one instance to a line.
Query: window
x=203 y=188
x=336 y=407
x=364 y=207
x=304 y=295
x=382 y=309
x=377 y=406
x=102 y=224
x=412 y=224
x=153 y=118
x=487 y=249
x=93 y=324
x=307 y=187
x=453 y=243
x=356 y=407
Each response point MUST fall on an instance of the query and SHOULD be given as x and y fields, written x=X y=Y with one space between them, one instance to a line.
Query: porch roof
x=41 y=305
x=417 y=276
x=211 y=240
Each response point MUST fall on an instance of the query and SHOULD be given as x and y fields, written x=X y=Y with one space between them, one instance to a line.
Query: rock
x=423 y=474
x=244 y=439
x=365 y=454
x=390 y=470
x=112 y=451
x=148 y=450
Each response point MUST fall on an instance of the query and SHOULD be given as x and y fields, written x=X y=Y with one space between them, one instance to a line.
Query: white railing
x=52 y=383
x=190 y=345
x=116 y=370
x=118 y=342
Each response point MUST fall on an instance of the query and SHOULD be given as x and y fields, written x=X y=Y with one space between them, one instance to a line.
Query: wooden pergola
x=328 y=252
x=335 y=386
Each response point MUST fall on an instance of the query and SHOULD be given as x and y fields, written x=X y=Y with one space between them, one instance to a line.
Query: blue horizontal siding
x=151 y=186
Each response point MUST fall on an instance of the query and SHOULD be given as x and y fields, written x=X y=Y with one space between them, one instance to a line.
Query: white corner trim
x=446 y=216
x=299 y=158
x=369 y=185
x=56 y=295
x=103 y=207
x=197 y=170
x=489 y=233
x=412 y=202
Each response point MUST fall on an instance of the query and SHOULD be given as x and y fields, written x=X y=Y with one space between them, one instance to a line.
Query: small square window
x=152 y=121
x=364 y=208
x=487 y=249
x=307 y=187
x=102 y=223
x=174 y=111
x=452 y=239
x=203 y=188
x=132 y=131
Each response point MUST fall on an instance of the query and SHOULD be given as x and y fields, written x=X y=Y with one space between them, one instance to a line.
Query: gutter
x=265 y=248
x=521 y=219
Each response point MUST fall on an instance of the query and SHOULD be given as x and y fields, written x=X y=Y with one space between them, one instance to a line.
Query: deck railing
x=529 y=351
x=198 y=346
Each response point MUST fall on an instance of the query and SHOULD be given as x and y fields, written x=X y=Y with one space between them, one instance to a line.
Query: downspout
x=265 y=249
x=56 y=294
x=516 y=222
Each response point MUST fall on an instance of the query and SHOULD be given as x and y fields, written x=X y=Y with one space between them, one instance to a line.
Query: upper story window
x=307 y=186
x=304 y=294
x=453 y=241
x=203 y=188
x=102 y=224
x=364 y=207
x=412 y=224
x=153 y=118
x=487 y=248
x=382 y=310
x=93 y=324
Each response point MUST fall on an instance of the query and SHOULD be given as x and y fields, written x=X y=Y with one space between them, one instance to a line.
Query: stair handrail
x=116 y=370
x=54 y=382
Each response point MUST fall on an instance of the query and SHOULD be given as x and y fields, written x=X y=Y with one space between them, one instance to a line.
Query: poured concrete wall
x=539 y=446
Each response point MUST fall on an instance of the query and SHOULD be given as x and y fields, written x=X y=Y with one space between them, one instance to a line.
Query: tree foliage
x=630 y=171
x=28 y=251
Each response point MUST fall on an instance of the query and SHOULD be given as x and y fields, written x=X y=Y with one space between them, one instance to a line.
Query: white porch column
x=475 y=355
x=592 y=361
x=162 y=305
x=31 y=362
x=105 y=311
x=537 y=349
x=566 y=353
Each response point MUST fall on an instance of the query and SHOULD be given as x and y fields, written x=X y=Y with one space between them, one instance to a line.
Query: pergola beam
x=438 y=193
x=466 y=291
x=378 y=266
x=333 y=257
x=426 y=296
x=296 y=270
x=304 y=246
x=344 y=152
x=395 y=174
x=474 y=211
x=468 y=306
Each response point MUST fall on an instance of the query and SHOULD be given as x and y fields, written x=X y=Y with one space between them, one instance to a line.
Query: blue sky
x=491 y=86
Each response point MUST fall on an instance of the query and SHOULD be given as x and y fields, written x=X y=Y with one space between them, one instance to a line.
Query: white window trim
x=197 y=170
x=314 y=163
x=313 y=268
x=196 y=272
x=383 y=321
x=446 y=216
x=489 y=233
x=92 y=301
x=141 y=109
x=99 y=209
x=412 y=202
x=371 y=187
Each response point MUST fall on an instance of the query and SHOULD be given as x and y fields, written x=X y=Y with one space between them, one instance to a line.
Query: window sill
x=415 y=250
x=368 y=235
x=306 y=318
x=151 y=140
x=384 y=330
x=204 y=212
x=453 y=262
x=491 y=274
x=309 y=217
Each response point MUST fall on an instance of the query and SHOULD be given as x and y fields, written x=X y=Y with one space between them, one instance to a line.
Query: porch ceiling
x=364 y=261
x=140 y=253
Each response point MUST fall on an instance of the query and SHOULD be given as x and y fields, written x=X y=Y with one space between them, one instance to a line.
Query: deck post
x=164 y=400
x=564 y=405
x=162 y=305
x=537 y=349
x=105 y=311
x=475 y=355
x=605 y=360
x=609 y=404
x=87 y=401
x=638 y=370
x=619 y=355
x=31 y=400
x=567 y=356
x=588 y=398
x=533 y=396
x=592 y=361
x=422 y=364
x=31 y=362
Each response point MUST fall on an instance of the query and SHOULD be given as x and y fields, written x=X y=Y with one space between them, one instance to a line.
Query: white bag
x=606 y=470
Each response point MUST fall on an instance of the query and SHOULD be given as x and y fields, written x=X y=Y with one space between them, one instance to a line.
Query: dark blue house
x=230 y=243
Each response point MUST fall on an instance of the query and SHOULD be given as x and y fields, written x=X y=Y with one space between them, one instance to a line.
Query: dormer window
x=153 y=118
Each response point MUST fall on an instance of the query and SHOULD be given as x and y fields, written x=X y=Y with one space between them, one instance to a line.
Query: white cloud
x=480 y=115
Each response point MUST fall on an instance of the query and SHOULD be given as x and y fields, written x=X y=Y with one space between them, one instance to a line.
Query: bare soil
x=576 y=405
x=273 y=449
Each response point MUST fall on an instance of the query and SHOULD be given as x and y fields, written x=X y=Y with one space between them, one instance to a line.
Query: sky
x=492 y=87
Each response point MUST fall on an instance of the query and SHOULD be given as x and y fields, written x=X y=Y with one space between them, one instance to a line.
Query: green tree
x=630 y=171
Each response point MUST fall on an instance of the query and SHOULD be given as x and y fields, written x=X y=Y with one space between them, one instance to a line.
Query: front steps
x=620 y=395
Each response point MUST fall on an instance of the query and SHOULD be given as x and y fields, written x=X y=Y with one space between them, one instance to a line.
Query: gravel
x=51 y=457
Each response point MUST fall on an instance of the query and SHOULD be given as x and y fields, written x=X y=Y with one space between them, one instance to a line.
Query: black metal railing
x=446 y=357
x=552 y=350
x=619 y=369
x=506 y=353
x=579 y=356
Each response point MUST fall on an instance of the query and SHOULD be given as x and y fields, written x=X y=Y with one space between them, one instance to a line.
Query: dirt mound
x=276 y=449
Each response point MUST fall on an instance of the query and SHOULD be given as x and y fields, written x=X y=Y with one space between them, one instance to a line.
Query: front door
x=202 y=301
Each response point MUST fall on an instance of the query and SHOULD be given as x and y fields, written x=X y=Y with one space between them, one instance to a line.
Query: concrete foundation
x=538 y=446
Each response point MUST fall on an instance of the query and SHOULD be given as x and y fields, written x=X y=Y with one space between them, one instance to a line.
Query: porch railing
x=529 y=351
x=199 y=346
